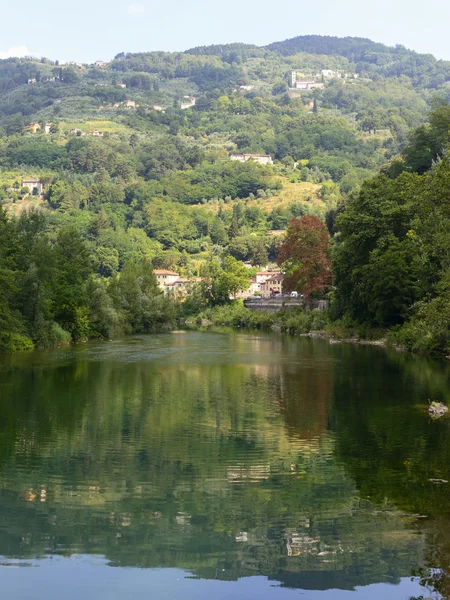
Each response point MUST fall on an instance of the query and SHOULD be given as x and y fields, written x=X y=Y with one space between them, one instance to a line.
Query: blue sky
x=89 y=30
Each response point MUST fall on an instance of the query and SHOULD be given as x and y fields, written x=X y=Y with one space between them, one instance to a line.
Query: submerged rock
x=437 y=410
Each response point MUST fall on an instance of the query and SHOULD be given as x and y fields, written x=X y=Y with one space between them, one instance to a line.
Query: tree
x=72 y=270
x=222 y=281
x=304 y=256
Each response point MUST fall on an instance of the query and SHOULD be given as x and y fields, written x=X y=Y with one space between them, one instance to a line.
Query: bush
x=59 y=335
x=428 y=331
x=15 y=342
x=236 y=315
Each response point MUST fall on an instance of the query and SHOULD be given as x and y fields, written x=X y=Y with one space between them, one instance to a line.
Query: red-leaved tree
x=304 y=256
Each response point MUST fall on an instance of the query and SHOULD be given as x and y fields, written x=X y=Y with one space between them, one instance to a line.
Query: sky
x=89 y=30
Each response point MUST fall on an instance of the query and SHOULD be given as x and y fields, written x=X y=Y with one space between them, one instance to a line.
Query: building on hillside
x=262 y=276
x=130 y=104
x=263 y=159
x=100 y=64
x=121 y=85
x=48 y=128
x=246 y=88
x=329 y=74
x=33 y=127
x=32 y=81
x=188 y=102
x=293 y=78
x=254 y=289
x=308 y=85
x=165 y=278
x=96 y=133
x=272 y=286
x=181 y=287
x=33 y=184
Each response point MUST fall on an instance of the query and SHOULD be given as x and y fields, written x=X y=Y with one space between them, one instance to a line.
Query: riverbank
x=317 y=324
x=309 y=323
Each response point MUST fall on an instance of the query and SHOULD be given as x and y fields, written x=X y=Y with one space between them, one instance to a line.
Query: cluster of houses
x=265 y=284
x=35 y=127
x=311 y=84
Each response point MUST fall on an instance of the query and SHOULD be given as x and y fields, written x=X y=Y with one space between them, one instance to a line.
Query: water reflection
x=227 y=456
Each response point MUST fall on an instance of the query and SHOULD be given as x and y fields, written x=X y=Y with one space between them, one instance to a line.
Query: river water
x=223 y=465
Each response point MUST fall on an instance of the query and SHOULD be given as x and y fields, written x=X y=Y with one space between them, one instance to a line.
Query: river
x=198 y=465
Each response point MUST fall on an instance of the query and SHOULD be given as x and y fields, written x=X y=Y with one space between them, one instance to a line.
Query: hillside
x=175 y=158
x=165 y=124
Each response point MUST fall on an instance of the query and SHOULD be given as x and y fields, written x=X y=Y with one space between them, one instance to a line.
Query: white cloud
x=15 y=51
x=136 y=10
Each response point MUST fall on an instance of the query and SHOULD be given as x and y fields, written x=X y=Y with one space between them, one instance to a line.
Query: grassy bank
x=294 y=322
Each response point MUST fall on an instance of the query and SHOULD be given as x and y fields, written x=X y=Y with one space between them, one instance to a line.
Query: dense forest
x=134 y=161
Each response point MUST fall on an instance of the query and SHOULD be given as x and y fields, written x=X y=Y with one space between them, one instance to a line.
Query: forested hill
x=142 y=161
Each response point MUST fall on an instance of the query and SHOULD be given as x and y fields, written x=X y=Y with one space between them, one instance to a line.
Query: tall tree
x=304 y=256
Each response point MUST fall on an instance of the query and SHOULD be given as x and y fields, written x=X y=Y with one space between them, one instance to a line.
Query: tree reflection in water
x=228 y=455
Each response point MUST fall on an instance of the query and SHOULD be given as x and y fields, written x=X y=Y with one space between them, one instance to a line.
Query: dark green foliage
x=392 y=254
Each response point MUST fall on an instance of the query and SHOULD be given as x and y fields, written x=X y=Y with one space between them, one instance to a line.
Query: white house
x=165 y=278
x=308 y=85
x=264 y=159
x=32 y=184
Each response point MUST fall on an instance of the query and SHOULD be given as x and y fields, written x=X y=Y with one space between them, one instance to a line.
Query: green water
x=210 y=465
